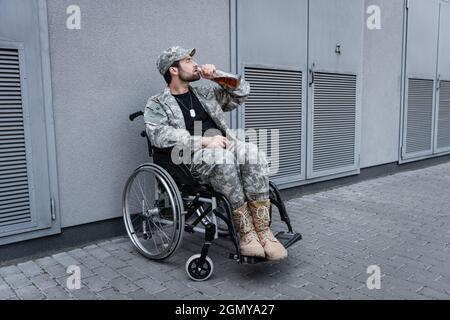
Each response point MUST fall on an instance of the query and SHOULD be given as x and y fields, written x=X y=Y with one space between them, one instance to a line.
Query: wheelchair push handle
x=135 y=115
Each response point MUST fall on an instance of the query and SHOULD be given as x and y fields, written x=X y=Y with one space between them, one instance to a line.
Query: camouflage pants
x=241 y=172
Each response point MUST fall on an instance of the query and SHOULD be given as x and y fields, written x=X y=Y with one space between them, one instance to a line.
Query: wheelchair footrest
x=288 y=239
x=247 y=260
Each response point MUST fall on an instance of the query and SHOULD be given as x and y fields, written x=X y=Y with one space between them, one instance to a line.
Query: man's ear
x=173 y=71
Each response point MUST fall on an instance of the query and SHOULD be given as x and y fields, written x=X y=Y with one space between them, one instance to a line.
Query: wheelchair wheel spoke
x=143 y=194
x=136 y=219
x=153 y=238
x=135 y=193
x=161 y=231
x=137 y=198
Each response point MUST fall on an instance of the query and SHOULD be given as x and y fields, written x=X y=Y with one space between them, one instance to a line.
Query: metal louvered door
x=420 y=84
x=276 y=66
x=333 y=124
x=442 y=124
x=17 y=195
x=419 y=117
x=274 y=112
x=443 y=118
x=334 y=87
x=25 y=201
x=14 y=187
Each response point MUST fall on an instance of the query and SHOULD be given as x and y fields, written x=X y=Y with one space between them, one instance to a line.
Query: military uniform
x=238 y=172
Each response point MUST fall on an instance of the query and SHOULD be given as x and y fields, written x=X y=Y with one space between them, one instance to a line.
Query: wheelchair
x=161 y=201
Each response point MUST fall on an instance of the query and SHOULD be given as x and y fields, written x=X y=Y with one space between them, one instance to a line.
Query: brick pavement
x=400 y=223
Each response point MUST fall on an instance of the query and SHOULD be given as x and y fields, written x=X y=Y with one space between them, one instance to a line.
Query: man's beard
x=184 y=76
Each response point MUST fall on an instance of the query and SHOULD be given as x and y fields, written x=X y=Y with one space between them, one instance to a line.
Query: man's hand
x=218 y=142
x=207 y=71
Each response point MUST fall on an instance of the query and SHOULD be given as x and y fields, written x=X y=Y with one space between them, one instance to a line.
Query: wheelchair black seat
x=179 y=172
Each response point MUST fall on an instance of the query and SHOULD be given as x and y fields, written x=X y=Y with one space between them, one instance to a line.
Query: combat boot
x=261 y=218
x=249 y=241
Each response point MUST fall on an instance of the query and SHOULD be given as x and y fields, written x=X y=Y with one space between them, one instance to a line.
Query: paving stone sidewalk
x=400 y=223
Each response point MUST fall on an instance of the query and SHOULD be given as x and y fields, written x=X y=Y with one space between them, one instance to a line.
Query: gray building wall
x=104 y=72
x=382 y=62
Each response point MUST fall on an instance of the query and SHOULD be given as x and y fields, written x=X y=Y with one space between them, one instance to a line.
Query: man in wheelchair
x=192 y=118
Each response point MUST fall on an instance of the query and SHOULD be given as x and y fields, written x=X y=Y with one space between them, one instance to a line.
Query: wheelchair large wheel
x=153 y=212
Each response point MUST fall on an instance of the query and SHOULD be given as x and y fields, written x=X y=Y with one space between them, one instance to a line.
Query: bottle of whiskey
x=227 y=80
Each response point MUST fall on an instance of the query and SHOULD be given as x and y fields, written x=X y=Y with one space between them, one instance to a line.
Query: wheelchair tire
x=199 y=272
x=153 y=212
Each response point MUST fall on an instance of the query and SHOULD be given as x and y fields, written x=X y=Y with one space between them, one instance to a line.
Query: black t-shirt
x=184 y=101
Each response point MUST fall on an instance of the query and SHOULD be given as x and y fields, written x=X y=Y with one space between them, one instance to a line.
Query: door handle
x=438 y=82
x=311 y=71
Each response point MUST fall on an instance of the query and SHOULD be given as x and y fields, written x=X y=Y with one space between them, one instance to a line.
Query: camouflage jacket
x=164 y=119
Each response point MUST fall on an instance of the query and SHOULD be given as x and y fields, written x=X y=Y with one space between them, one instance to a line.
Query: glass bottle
x=227 y=80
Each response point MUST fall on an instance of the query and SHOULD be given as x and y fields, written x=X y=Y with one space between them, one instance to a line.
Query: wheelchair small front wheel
x=198 y=271
x=153 y=212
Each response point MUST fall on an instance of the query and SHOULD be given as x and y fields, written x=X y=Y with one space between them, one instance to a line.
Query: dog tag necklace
x=191 y=110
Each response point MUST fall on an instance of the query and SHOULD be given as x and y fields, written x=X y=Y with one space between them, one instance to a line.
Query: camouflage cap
x=170 y=55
